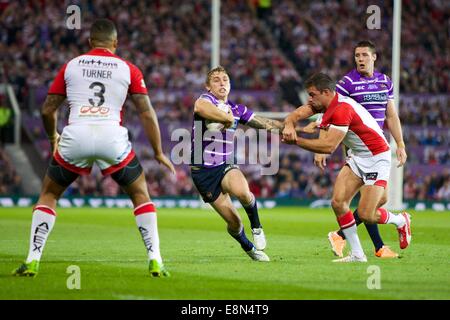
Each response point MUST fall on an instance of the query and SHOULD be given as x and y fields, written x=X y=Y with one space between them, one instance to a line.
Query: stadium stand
x=267 y=56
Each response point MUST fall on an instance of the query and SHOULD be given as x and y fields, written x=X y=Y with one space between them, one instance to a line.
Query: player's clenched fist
x=289 y=134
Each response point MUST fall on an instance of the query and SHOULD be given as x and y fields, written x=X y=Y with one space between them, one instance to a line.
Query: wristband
x=401 y=145
x=53 y=137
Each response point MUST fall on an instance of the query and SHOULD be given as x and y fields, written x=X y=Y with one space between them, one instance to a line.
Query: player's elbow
x=47 y=111
x=199 y=108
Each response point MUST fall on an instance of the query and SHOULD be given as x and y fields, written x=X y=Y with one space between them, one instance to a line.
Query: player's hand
x=289 y=134
x=162 y=159
x=320 y=160
x=54 y=142
x=230 y=120
x=310 y=128
x=401 y=156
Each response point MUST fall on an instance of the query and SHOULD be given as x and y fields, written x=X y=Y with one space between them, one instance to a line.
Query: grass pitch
x=206 y=263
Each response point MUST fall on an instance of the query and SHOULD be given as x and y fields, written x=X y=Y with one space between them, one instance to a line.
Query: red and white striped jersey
x=364 y=136
x=96 y=85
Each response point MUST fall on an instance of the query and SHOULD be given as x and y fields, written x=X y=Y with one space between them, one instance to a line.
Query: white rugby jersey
x=364 y=136
x=96 y=85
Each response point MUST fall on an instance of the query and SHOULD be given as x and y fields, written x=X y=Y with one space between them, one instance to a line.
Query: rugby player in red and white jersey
x=367 y=168
x=96 y=85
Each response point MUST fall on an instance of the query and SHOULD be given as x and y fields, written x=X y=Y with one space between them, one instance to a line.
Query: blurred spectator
x=10 y=181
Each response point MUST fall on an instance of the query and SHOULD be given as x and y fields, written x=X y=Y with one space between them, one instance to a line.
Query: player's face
x=365 y=60
x=317 y=99
x=219 y=85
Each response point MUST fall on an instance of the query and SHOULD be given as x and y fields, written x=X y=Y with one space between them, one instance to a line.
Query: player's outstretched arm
x=207 y=110
x=49 y=114
x=303 y=112
x=149 y=121
x=326 y=143
x=271 y=125
x=395 y=127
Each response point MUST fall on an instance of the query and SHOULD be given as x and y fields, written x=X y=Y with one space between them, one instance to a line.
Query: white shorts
x=373 y=170
x=83 y=145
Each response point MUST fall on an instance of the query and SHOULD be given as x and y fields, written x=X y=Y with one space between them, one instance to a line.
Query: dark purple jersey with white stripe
x=213 y=148
x=372 y=93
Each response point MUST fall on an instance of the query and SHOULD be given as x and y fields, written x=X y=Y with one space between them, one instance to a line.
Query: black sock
x=242 y=239
x=252 y=212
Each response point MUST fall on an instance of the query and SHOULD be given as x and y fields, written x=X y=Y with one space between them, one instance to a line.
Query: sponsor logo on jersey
x=360 y=88
x=375 y=97
x=94 y=111
x=372 y=86
x=371 y=175
x=97 y=63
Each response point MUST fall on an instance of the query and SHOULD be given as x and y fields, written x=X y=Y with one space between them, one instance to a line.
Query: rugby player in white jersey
x=367 y=168
x=374 y=91
x=96 y=86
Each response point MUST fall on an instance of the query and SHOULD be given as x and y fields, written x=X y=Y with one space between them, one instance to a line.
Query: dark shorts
x=124 y=176
x=208 y=180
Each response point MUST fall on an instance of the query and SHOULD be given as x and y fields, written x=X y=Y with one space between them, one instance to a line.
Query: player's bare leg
x=345 y=188
x=385 y=252
x=371 y=213
x=146 y=221
x=235 y=183
x=224 y=207
x=44 y=216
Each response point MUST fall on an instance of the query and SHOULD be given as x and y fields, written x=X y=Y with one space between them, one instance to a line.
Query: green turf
x=206 y=263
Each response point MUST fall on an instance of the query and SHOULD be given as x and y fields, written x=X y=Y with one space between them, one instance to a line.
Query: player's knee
x=366 y=216
x=383 y=200
x=245 y=197
x=339 y=205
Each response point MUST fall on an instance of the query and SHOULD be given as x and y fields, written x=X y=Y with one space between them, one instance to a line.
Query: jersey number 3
x=98 y=93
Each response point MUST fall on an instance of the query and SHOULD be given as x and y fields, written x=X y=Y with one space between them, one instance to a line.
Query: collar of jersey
x=100 y=52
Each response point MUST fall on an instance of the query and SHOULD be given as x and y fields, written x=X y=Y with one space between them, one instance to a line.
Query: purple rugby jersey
x=217 y=147
x=372 y=93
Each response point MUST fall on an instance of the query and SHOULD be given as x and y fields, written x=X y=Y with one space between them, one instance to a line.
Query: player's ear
x=115 y=43
x=374 y=56
x=90 y=43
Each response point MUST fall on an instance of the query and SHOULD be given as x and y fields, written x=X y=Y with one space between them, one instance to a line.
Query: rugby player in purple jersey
x=213 y=169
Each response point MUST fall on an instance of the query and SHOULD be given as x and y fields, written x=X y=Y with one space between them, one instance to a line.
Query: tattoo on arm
x=259 y=122
x=142 y=102
x=52 y=103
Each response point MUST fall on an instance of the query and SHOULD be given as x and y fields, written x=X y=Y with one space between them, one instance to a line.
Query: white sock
x=41 y=226
x=397 y=219
x=146 y=222
x=388 y=217
x=352 y=237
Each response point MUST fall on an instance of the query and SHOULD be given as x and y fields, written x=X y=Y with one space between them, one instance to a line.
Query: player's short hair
x=103 y=30
x=366 y=44
x=212 y=71
x=321 y=81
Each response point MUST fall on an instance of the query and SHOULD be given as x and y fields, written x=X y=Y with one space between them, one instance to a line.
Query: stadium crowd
x=170 y=42
x=10 y=180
